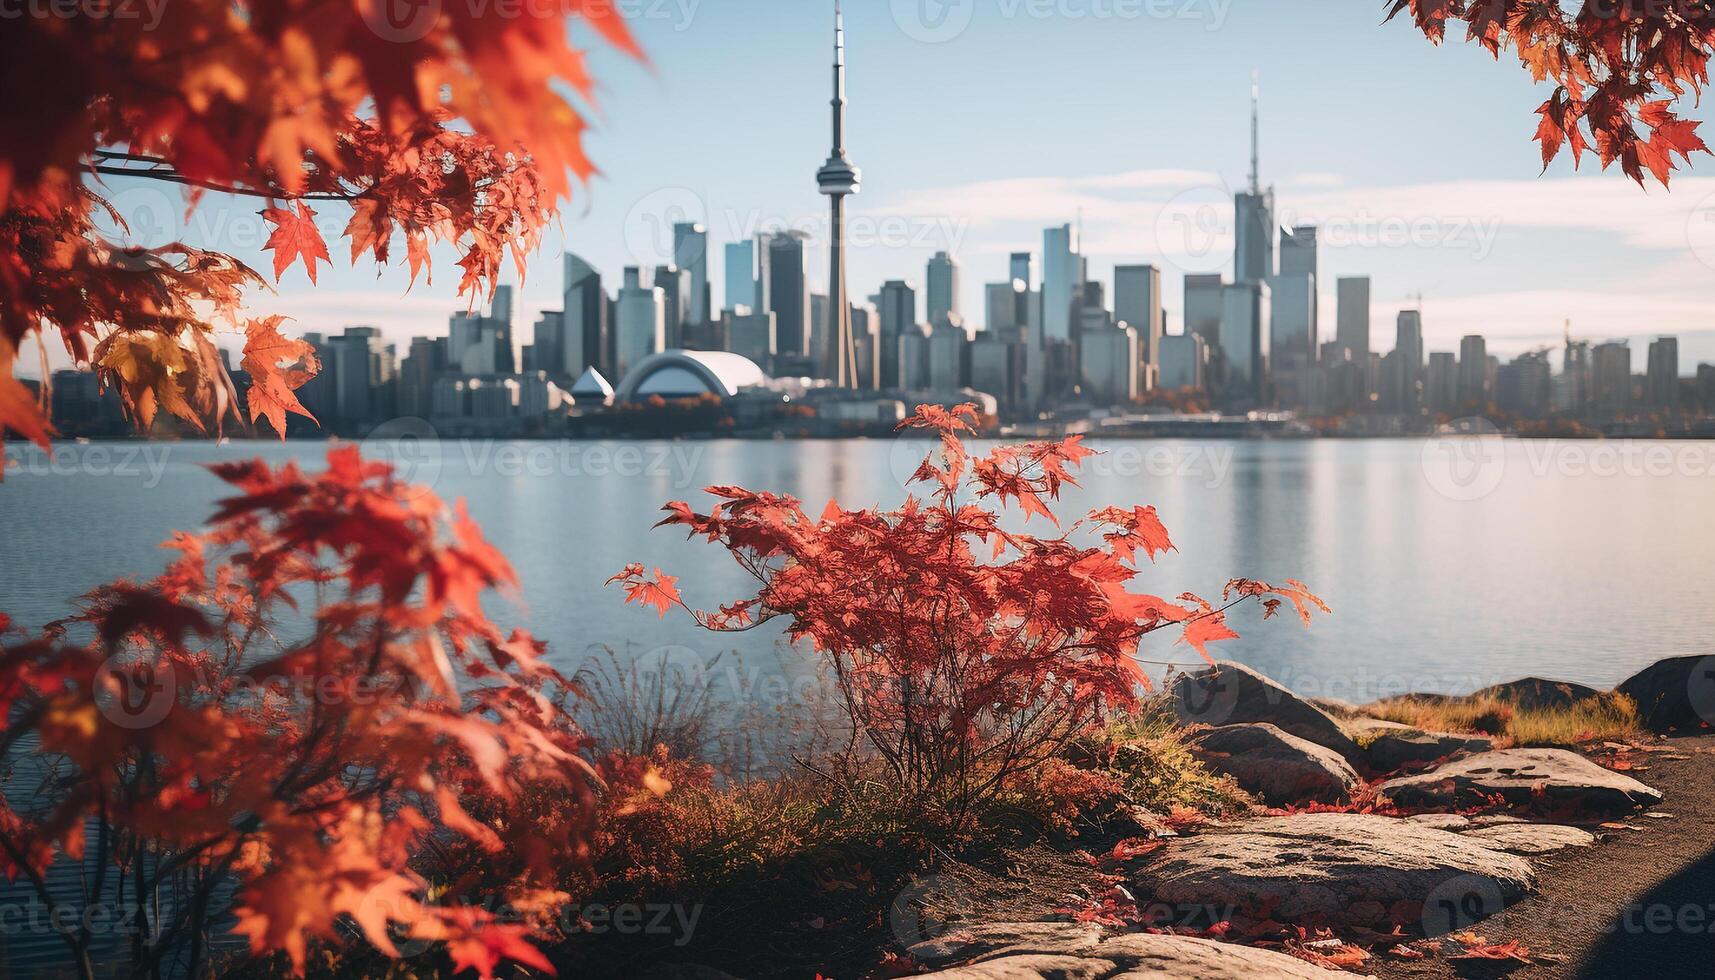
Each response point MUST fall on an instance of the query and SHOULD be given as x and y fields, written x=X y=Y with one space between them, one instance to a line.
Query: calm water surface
x=1579 y=561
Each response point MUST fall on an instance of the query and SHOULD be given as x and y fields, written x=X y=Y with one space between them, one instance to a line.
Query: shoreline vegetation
x=409 y=790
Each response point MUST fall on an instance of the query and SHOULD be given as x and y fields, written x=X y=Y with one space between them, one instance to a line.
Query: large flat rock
x=1280 y=769
x=1548 y=778
x=1530 y=838
x=969 y=943
x=1137 y=955
x=1232 y=694
x=1333 y=867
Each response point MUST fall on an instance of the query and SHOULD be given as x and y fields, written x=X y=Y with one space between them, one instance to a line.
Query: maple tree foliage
x=452 y=125
x=965 y=653
x=212 y=727
x=1618 y=66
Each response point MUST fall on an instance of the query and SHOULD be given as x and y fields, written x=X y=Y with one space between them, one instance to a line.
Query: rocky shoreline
x=1385 y=843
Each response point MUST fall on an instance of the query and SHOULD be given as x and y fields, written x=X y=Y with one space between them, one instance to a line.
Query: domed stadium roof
x=688 y=374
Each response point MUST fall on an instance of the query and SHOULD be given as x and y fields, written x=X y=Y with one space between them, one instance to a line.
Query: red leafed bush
x=305 y=701
x=965 y=653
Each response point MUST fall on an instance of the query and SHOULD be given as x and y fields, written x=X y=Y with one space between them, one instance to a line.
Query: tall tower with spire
x=1254 y=260
x=837 y=179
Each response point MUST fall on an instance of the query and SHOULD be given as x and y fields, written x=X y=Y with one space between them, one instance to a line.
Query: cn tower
x=838 y=178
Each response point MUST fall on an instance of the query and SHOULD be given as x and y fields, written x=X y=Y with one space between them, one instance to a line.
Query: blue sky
x=979 y=122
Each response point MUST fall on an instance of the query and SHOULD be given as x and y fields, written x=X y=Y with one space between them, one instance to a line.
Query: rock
x=1233 y=694
x=1390 y=746
x=1343 y=867
x=1279 y=768
x=963 y=945
x=1137 y=955
x=1534 y=693
x=1678 y=693
x=1440 y=821
x=1553 y=778
x=1336 y=708
x=1530 y=838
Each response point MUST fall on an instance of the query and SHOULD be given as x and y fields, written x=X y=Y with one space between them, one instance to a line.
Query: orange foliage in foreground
x=451 y=125
x=213 y=727
x=1618 y=66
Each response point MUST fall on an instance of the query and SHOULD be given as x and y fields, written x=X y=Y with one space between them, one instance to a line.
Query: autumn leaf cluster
x=455 y=127
x=1619 y=68
x=302 y=704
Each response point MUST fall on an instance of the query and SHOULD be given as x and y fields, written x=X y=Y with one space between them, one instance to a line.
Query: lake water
x=1449 y=565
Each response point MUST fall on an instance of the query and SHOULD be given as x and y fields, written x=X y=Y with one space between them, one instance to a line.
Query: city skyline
x=1492 y=248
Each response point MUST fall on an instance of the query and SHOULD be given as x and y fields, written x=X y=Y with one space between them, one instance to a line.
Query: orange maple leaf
x=272 y=388
x=1203 y=630
x=295 y=234
x=662 y=593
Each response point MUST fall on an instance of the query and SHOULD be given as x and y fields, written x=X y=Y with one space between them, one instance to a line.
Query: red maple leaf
x=295 y=234
x=273 y=388
x=1204 y=630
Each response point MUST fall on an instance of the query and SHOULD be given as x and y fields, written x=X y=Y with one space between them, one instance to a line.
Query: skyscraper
x=1203 y=307
x=1611 y=375
x=741 y=276
x=1001 y=309
x=1244 y=351
x=1254 y=257
x=584 y=323
x=1352 y=316
x=640 y=327
x=1441 y=384
x=691 y=253
x=675 y=285
x=1295 y=285
x=787 y=294
x=1473 y=373
x=1408 y=356
x=1137 y=304
x=1022 y=266
x=943 y=288
x=1662 y=381
x=897 y=308
x=363 y=372
x=1062 y=274
x=837 y=179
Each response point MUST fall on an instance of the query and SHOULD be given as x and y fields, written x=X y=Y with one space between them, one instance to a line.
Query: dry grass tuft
x=1609 y=716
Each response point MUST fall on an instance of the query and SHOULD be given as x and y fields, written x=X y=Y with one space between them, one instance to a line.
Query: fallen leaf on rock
x=1659 y=816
